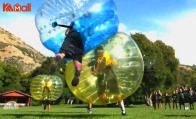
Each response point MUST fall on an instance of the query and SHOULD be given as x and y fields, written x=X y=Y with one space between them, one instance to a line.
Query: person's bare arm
x=114 y=62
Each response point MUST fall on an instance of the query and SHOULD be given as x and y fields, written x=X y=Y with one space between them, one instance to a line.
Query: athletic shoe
x=75 y=80
x=124 y=114
x=89 y=110
x=54 y=65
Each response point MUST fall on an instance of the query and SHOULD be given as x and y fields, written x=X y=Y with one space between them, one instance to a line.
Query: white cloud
x=181 y=36
x=122 y=27
x=151 y=35
x=133 y=31
x=24 y=27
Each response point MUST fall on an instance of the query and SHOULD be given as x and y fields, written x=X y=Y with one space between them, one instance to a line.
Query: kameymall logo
x=16 y=8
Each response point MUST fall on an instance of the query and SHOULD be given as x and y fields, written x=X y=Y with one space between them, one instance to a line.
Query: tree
x=9 y=78
x=2 y=74
x=25 y=82
x=171 y=63
x=193 y=81
x=43 y=69
x=159 y=71
x=187 y=76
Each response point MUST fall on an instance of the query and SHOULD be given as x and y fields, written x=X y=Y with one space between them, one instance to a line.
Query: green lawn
x=80 y=111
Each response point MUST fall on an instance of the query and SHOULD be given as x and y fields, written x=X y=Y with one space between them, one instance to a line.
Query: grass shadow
x=51 y=112
x=102 y=106
x=56 y=115
x=183 y=115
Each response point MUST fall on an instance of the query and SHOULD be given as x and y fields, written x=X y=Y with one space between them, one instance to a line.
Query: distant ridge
x=13 y=51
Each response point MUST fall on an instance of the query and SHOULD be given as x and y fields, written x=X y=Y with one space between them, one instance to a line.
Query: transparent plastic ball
x=46 y=87
x=110 y=72
x=95 y=20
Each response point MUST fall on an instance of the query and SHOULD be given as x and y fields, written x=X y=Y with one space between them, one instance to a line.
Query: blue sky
x=144 y=14
x=172 y=21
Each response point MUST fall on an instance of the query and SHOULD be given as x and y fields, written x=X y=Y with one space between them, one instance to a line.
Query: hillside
x=185 y=67
x=15 y=52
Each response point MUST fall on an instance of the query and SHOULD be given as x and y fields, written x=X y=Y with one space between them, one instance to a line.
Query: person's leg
x=76 y=78
x=57 y=58
x=45 y=106
x=160 y=105
x=48 y=107
x=173 y=104
x=183 y=104
x=101 y=86
x=169 y=105
x=165 y=105
x=154 y=104
x=77 y=58
x=122 y=107
x=89 y=108
x=190 y=103
x=176 y=105
x=90 y=105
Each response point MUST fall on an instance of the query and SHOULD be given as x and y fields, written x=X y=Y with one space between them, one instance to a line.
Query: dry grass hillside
x=15 y=52
x=185 y=67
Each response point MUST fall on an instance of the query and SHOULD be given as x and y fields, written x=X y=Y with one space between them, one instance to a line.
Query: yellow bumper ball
x=46 y=87
x=110 y=73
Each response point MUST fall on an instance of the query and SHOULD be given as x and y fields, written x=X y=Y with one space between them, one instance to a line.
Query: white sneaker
x=89 y=111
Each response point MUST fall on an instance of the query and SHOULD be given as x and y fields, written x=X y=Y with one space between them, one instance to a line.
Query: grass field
x=80 y=111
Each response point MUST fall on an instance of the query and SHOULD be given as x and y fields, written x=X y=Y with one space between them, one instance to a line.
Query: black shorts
x=191 y=100
x=174 y=101
x=159 y=100
x=72 y=47
x=46 y=102
x=181 y=101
